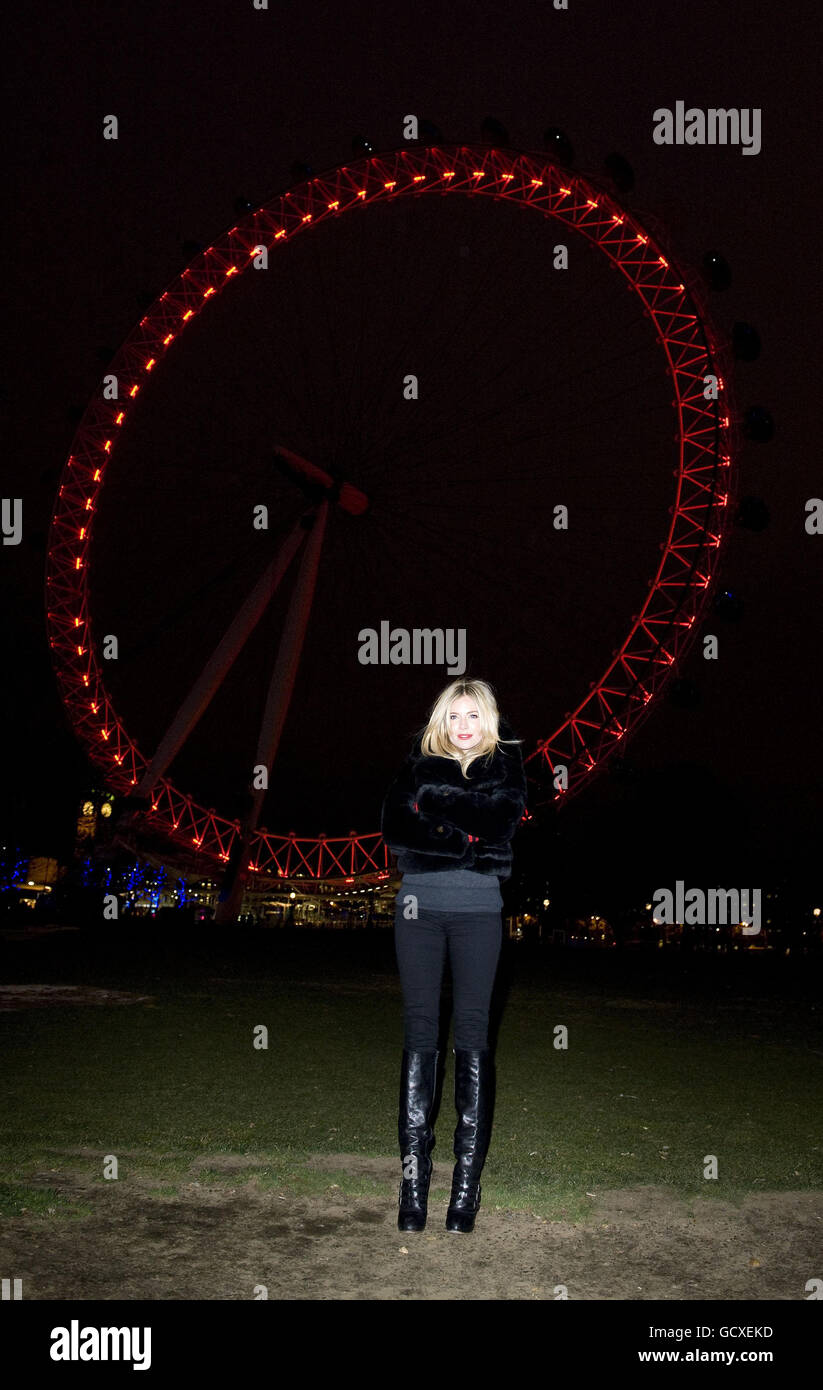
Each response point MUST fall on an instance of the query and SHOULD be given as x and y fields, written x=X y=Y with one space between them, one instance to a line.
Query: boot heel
x=412 y=1203
x=463 y=1208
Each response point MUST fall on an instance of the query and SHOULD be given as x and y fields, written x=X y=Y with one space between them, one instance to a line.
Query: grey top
x=453 y=890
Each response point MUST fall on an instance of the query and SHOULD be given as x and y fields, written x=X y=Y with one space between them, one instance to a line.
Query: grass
x=654 y=1081
x=18 y=1199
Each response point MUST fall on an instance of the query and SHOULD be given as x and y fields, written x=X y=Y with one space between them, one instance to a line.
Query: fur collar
x=494 y=772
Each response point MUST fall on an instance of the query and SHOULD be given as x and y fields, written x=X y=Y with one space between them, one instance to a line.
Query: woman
x=449 y=817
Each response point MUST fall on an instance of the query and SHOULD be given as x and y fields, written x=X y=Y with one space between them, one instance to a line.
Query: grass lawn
x=662 y=1070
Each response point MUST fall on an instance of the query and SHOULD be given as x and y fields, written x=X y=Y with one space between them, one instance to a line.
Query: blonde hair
x=435 y=739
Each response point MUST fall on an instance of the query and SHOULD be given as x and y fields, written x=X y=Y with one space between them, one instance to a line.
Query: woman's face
x=464 y=723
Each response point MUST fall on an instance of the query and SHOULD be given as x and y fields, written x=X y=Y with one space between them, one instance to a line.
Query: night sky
x=216 y=102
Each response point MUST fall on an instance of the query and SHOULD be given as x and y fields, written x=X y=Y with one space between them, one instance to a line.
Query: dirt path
x=221 y=1242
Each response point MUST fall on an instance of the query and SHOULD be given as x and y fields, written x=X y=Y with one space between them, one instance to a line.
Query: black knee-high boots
x=474 y=1102
x=418 y=1074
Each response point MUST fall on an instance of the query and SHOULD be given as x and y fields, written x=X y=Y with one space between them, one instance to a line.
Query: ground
x=223 y=1225
x=222 y=1242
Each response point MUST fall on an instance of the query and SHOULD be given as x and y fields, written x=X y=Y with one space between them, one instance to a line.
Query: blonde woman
x=450 y=817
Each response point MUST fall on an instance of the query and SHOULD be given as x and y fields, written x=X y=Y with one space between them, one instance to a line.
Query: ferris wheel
x=318 y=461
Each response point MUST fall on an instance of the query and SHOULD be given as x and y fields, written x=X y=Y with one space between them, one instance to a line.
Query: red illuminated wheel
x=689 y=353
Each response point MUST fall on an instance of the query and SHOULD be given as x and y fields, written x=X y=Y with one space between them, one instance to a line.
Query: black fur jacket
x=435 y=818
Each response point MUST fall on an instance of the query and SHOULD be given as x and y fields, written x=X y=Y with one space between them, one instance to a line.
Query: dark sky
x=216 y=101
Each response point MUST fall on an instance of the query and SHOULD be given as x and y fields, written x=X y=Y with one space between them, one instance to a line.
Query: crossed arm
x=492 y=815
x=404 y=826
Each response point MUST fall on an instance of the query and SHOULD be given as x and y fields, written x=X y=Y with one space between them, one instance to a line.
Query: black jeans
x=473 y=941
